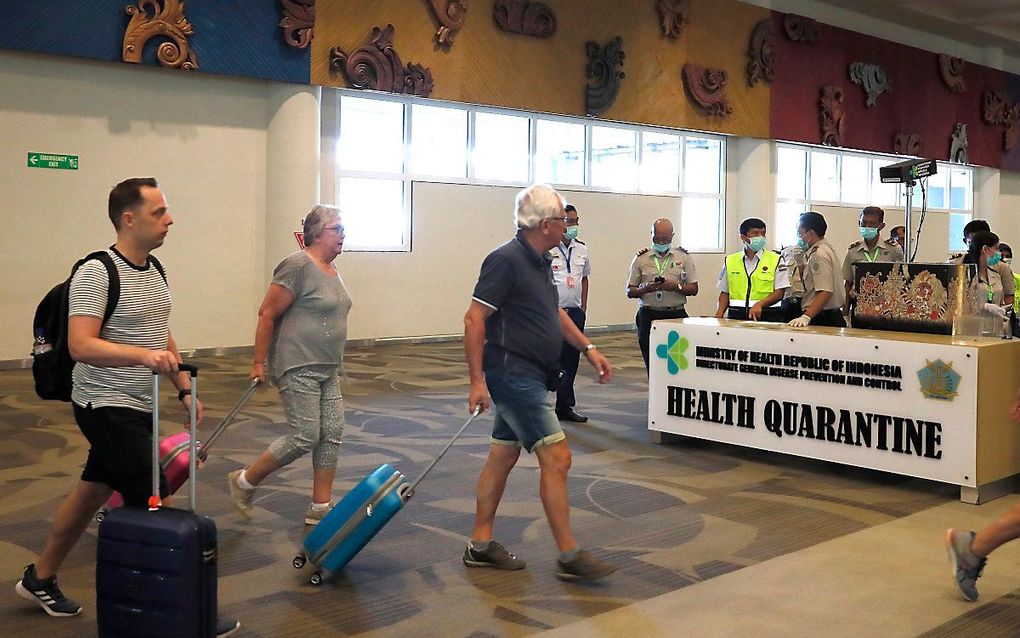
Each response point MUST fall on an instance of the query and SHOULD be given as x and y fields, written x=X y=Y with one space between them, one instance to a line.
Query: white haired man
x=513 y=331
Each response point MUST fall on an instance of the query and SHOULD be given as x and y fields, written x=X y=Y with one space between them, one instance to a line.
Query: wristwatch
x=590 y=346
x=183 y=393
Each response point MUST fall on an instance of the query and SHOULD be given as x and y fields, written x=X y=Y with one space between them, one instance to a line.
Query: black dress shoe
x=572 y=416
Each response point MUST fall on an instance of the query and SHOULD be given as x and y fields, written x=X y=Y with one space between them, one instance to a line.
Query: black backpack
x=52 y=369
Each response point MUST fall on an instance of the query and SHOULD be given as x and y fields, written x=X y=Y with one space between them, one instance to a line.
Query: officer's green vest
x=1016 y=300
x=762 y=279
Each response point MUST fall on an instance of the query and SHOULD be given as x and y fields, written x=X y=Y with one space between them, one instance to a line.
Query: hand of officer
x=800 y=322
x=995 y=310
x=601 y=365
x=161 y=361
x=478 y=397
x=754 y=314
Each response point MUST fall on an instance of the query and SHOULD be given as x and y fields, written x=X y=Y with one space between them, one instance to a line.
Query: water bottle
x=40 y=346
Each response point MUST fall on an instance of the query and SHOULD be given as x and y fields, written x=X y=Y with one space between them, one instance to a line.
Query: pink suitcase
x=174 y=457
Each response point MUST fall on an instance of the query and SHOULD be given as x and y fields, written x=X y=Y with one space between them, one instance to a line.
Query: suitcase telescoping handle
x=409 y=492
x=225 y=423
x=155 y=501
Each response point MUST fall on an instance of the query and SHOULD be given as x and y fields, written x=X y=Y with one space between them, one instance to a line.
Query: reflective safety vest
x=746 y=290
x=1016 y=300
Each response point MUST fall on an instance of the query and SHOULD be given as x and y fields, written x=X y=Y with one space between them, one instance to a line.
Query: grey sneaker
x=496 y=557
x=313 y=516
x=967 y=567
x=46 y=594
x=240 y=497
x=584 y=566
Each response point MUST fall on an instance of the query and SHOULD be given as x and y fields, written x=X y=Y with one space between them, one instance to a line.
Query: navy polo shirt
x=523 y=335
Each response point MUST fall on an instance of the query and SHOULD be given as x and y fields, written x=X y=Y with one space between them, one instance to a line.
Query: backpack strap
x=113 y=288
x=159 y=267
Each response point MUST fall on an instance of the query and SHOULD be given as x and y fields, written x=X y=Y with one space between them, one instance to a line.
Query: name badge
x=570 y=281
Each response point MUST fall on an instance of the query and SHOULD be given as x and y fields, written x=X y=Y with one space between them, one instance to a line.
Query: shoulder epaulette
x=578 y=241
x=682 y=249
x=856 y=243
x=892 y=242
x=642 y=251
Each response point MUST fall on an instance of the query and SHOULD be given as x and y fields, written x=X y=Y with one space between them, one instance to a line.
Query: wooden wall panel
x=491 y=67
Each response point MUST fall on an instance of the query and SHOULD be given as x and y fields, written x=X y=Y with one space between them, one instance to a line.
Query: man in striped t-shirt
x=112 y=394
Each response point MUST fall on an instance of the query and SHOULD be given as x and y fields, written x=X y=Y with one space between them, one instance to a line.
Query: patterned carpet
x=669 y=515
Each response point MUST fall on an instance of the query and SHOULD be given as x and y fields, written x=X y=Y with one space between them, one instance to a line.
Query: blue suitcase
x=359 y=516
x=156 y=568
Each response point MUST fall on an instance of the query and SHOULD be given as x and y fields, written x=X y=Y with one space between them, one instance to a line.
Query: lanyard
x=660 y=266
x=988 y=287
x=874 y=254
x=566 y=255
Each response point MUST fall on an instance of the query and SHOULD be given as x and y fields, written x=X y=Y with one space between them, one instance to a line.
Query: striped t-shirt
x=141 y=318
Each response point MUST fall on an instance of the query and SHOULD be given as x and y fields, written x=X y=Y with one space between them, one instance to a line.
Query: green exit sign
x=49 y=160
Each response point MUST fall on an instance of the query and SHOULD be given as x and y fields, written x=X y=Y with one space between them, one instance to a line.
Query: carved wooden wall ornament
x=168 y=21
x=995 y=110
x=832 y=114
x=907 y=144
x=761 y=53
x=376 y=65
x=951 y=70
x=673 y=16
x=800 y=29
x=871 y=78
x=706 y=88
x=958 y=144
x=524 y=17
x=450 y=14
x=602 y=63
x=298 y=22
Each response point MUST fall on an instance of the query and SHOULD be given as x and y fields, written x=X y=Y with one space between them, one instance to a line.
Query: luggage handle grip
x=190 y=368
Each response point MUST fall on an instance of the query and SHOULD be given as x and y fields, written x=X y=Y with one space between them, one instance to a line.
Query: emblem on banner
x=939 y=380
x=673 y=352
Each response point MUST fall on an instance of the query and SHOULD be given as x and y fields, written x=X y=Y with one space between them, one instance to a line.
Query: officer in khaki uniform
x=868 y=249
x=822 y=303
x=661 y=278
x=1003 y=269
x=753 y=281
x=793 y=258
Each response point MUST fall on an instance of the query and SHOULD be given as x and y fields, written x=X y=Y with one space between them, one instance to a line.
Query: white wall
x=204 y=138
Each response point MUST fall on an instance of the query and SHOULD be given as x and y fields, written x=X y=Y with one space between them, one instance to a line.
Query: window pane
x=791 y=173
x=438 y=141
x=373 y=213
x=824 y=177
x=501 y=147
x=700 y=223
x=371 y=135
x=883 y=194
x=559 y=156
x=701 y=165
x=787 y=216
x=936 y=185
x=960 y=189
x=956 y=223
x=613 y=157
x=854 y=180
x=660 y=162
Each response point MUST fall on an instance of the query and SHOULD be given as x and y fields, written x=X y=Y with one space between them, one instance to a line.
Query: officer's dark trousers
x=831 y=317
x=569 y=359
x=644 y=319
x=774 y=315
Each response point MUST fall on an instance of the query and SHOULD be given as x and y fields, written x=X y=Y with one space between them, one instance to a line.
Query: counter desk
x=930 y=406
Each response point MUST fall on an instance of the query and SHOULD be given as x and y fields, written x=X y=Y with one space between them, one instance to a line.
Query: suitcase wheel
x=299 y=561
x=100 y=515
x=316 y=578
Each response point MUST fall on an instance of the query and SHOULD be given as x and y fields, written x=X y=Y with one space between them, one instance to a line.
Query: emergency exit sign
x=49 y=160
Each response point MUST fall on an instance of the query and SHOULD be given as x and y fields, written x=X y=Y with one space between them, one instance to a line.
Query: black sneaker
x=46 y=594
x=496 y=557
x=584 y=566
x=226 y=626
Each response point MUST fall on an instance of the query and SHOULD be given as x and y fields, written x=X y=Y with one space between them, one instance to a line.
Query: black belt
x=670 y=309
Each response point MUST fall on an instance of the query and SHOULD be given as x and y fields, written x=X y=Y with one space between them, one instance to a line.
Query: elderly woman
x=302 y=327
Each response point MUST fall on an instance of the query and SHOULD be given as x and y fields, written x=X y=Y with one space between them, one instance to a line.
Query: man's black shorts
x=121 y=451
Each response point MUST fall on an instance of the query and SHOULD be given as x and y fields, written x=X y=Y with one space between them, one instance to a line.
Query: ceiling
x=980 y=23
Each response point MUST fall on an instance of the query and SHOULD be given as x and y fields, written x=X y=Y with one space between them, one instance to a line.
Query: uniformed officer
x=1003 y=270
x=868 y=249
x=896 y=236
x=571 y=268
x=1007 y=258
x=753 y=281
x=823 y=284
x=793 y=258
x=661 y=278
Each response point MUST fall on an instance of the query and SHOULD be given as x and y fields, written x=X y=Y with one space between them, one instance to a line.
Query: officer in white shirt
x=571 y=268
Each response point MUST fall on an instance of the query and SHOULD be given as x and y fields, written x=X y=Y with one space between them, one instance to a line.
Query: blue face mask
x=571 y=233
x=660 y=248
x=803 y=244
x=994 y=258
x=869 y=233
x=756 y=243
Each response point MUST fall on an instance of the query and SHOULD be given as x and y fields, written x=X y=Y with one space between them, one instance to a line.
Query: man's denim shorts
x=523 y=415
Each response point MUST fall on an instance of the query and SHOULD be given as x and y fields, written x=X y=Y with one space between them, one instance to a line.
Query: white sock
x=242 y=480
x=320 y=507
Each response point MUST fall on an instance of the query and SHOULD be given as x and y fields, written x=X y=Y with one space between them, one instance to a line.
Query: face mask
x=571 y=232
x=994 y=258
x=756 y=243
x=803 y=244
x=869 y=233
x=660 y=248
